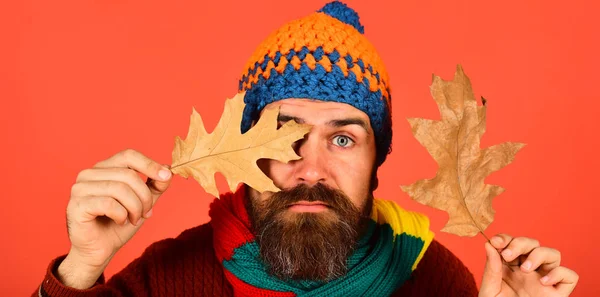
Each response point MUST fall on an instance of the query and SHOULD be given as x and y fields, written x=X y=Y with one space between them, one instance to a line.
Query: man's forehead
x=317 y=109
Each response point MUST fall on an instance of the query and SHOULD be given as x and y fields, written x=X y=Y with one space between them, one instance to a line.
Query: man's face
x=307 y=230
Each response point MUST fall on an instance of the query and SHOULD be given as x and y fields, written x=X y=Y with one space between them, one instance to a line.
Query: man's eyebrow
x=349 y=121
x=286 y=118
x=334 y=123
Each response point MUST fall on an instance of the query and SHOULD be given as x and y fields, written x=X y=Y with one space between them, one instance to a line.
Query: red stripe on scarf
x=230 y=223
x=231 y=229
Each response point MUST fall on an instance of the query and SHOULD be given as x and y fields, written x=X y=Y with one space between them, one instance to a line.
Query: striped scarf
x=384 y=258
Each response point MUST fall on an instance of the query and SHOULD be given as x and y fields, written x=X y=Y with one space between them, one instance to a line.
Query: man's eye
x=343 y=141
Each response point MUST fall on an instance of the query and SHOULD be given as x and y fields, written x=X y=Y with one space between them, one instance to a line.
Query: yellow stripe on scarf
x=403 y=221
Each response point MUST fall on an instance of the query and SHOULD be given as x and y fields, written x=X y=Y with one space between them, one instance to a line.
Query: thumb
x=157 y=187
x=491 y=283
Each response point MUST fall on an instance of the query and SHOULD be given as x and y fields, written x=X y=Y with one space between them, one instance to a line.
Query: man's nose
x=312 y=168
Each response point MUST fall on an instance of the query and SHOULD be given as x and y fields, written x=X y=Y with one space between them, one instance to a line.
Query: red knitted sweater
x=187 y=266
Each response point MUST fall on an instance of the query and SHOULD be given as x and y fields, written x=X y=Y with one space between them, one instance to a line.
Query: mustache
x=334 y=198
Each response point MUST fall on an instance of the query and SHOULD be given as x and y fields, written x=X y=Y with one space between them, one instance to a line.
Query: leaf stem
x=463 y=200
x=486 y=238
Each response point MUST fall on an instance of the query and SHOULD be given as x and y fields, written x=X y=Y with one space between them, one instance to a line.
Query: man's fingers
x=157 y=188
x=547 y=258
x=563 y=278
x=519 y=246
x=491 y=283
x=159 y=176
x=118 y=190
x=137 y=161
x=535 y=258
x=128 y=176
x=500 y=241
x=103 y=206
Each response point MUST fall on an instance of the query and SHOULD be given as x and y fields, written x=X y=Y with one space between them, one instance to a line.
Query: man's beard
x=307 y=246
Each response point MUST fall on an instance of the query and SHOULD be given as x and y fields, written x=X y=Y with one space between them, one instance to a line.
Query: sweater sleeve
x=441 y=274
x=131 y=281
x=170 y=267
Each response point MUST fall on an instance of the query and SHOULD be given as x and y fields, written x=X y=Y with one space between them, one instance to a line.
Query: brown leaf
x=233 y=154
x=458 y=187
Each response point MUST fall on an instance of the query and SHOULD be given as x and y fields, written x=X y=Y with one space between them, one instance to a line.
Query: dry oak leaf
x=458 y=187
x=233 y=154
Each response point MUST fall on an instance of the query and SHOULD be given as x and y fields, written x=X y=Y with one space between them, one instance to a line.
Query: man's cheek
x=278 y=172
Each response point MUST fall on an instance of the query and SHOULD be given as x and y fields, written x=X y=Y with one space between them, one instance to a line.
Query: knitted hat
x=322 y=56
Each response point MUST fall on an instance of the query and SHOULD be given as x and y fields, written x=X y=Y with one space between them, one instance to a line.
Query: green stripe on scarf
x=385 y=257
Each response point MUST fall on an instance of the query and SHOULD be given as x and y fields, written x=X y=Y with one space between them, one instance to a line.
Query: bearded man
x=324 y=234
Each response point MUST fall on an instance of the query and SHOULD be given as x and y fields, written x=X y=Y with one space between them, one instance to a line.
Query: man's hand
x=531 y=270
x=108 y=204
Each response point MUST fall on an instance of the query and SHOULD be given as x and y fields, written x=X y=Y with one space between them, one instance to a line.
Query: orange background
x=82 y=80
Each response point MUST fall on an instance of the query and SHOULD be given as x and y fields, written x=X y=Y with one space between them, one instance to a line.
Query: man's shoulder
x=438 y=255
x=202 y=233
x=186 y=260
x=193 y=240
x=440 y=273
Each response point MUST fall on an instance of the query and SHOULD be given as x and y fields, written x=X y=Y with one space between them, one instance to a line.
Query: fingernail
x=496 y=240
x=506 y=253
x=138 y=222
x=164 y=174
x=544 y=279
x=148 y=214
x=526 y=265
